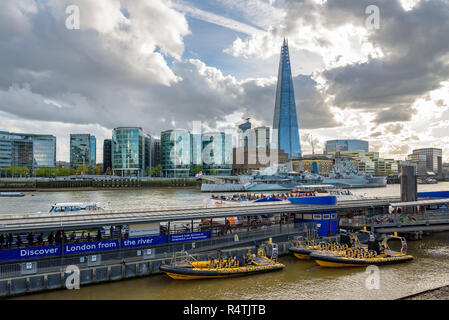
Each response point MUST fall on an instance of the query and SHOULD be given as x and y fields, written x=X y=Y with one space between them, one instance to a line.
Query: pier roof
x=75 y=220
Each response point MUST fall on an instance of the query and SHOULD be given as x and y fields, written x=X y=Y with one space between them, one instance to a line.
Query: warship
x=343 y=175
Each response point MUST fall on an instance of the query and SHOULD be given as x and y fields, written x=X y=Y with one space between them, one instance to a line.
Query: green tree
x=63 y=172
x=108 y=171
x=83 y=169
x=23 y=171
x=197 y=169
x=213 y=172
x=156 y=171
x=45 y=172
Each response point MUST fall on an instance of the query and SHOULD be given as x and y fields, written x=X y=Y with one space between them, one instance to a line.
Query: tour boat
x=186 y=267
x=293 y=196
x=374 y=254
x=11 y=194
x=75 y=206
x=324 y=190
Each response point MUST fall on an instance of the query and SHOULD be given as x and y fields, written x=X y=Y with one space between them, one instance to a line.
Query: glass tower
x=176 y=153
x=80 y=150
x=107 y=154
x=93 y=151
x=285 y=122
x=217 y=153
x=129 y=152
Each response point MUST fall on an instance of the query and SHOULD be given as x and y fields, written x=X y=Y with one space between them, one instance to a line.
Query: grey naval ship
x=343 y=175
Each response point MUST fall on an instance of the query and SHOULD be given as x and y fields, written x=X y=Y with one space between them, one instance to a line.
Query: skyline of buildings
x=43 y=148
x=131 y=150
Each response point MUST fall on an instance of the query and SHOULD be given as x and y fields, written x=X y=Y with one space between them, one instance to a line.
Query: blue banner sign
x=143 y=241
x=189 y=236
x=32 y=252
x=73 y=248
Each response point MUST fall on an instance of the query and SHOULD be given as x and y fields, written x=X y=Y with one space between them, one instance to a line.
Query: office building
x=27 y=150
x=82 y=150
x=93 y=150
x=285 y=123
x=156 y=152
x=244 y=134
x=131 y=151
x=107 y=155
x=319 y=164
x=346 y=145
x=176 y=153
x=429 y=161
x=247 y=160
x=369 y=162
x=217 y=153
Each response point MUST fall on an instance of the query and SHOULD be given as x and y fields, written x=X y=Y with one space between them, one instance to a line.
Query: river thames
x=299 y=280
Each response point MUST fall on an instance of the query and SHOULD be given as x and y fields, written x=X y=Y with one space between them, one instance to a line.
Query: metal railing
x=166 y=251
x=395 y=219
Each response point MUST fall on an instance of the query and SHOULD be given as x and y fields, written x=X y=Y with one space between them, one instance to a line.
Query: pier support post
x=409 y=185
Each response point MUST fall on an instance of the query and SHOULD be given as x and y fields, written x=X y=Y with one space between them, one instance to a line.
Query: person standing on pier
x=40 y=239
x=2 y=240
x=9 y=239
x=18 y=241
x=30 y=239
x=51 y=237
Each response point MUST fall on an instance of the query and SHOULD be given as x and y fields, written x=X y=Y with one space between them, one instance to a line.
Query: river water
x=299 y=280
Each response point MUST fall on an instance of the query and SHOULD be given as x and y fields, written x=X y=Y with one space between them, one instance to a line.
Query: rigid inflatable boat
x=185 y=267
x=375 y=254
x=303 y=249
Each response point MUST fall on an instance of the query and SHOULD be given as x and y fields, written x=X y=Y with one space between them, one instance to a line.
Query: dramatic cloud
x=127 y=66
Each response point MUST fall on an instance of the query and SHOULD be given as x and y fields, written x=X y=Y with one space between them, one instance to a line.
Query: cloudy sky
x=163 y=64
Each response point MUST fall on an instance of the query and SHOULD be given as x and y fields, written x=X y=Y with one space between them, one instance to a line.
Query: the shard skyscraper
x=285 y=118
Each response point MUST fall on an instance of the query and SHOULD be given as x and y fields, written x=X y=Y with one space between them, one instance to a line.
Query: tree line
x=48 y=171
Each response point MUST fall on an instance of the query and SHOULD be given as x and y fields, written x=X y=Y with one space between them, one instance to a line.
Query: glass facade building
x=93 y=150
x=107 y=154
x=27 y=150
x=346 y=145
x=285 y=123
x=82 y=150
x=156 y=152
x=429 y=161
x=130 y=154
x=217 y=153
x=44 y=151
x=196 y=152
x=176 y=153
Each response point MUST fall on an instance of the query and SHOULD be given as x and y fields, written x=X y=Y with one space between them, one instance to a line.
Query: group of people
x=8 y=240
x=252 y=197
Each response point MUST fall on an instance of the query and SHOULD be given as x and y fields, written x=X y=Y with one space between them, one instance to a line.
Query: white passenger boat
x=324 y=190
x=11 y=194
x=75 y=206
x=300 y=191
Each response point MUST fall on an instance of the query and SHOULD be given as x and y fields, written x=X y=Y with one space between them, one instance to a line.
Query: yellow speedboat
x=303 y=249
x=187 y=268
x=375 y=254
